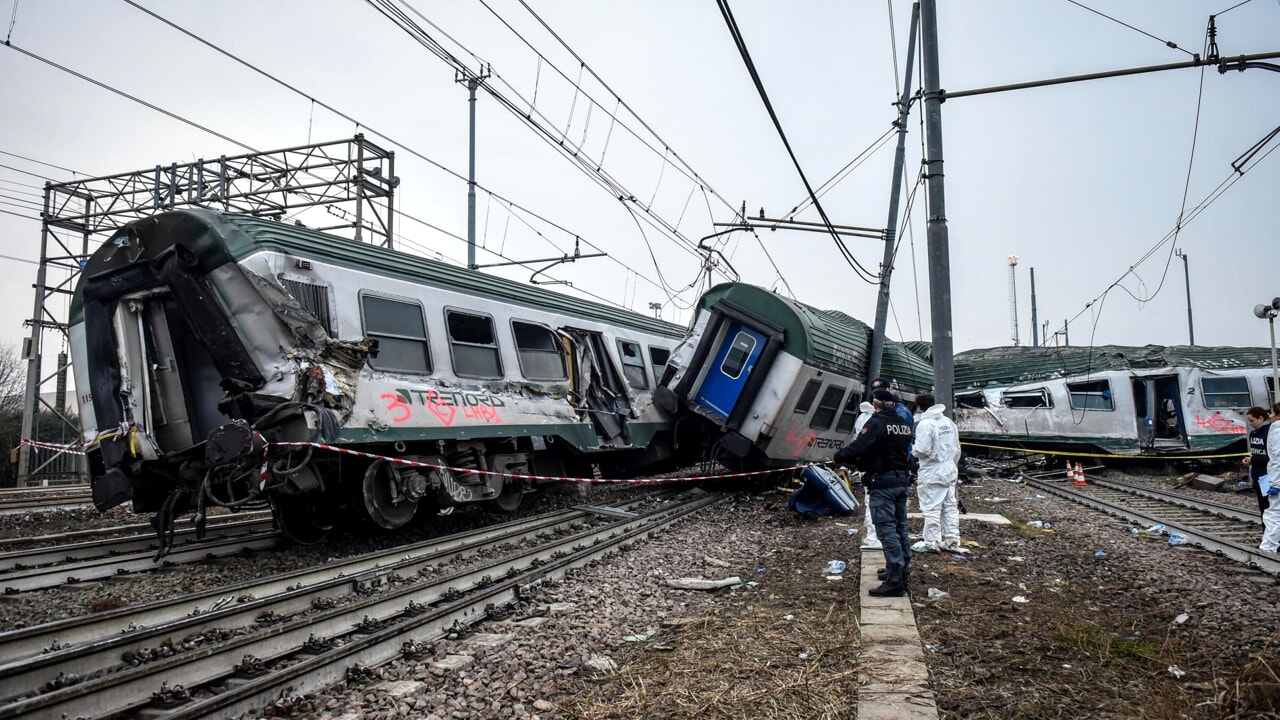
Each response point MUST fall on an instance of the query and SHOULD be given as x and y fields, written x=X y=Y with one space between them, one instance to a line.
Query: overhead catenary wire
x=392 y=141
x=1166 y=43
x=740 y=43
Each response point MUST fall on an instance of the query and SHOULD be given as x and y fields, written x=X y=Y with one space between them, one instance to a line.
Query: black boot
x=882 y=573
x=888 y=589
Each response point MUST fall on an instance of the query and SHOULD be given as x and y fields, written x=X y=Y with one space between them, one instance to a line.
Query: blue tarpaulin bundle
x=822 y=493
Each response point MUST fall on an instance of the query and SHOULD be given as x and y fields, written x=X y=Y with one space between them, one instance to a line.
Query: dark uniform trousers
x=889 y=515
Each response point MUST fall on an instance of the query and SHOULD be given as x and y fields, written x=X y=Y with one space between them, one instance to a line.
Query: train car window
x=540 y=352
x=1038 y=398
x=827 y=407
x=1094 y=395
x=313 y=298
x=736 y=359
x=971 y=400
x=806 y=396
x=1271 y=391
x=401 y=333
x=633 y=364
x=849 y=416
x=474 y=345
x=1222 y=392
x=659 y=357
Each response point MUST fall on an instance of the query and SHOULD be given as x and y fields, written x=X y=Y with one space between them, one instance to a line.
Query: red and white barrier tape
x=72 y=449
x=643 y=481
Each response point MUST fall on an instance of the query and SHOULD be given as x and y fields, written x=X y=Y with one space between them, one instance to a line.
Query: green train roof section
x=218 y=239
x=826 y=339
x=995 y=367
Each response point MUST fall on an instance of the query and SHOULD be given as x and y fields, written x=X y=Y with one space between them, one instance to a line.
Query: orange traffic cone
x=1079 y=480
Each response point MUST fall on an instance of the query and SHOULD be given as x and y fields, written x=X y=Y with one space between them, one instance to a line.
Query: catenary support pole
x=1035 y=324
x=1186 y=273
x=891 y=227
x=939 y=254
x=472 y=82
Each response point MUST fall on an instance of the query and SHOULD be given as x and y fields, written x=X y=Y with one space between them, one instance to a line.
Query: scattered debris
x=714 y=561
x=1020 y=599
x=1177 y=672
x=704 y=584
x=936 y=595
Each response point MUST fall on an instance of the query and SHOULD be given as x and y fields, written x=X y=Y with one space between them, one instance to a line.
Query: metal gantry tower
x=353 y=181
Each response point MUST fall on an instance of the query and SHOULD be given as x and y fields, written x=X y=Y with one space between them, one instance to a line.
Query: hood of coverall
x=934 y=412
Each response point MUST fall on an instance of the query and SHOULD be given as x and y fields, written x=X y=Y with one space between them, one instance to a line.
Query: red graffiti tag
x=1221 y=424
x=483 y=413
x=797 y=439
x=397 y=404
x=441 y=409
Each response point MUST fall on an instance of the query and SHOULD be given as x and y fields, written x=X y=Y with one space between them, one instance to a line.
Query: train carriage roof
x=827 y=339
x=218 y=238
x=993 y=367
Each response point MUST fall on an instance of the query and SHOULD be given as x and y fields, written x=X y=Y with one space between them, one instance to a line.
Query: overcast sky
x=1081 y=181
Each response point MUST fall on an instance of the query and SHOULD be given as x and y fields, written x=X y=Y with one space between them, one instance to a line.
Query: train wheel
x=300 y=519
x=510 y=498
x=377 y=491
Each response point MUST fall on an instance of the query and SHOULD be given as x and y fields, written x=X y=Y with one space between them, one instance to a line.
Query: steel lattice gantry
x=351 y=181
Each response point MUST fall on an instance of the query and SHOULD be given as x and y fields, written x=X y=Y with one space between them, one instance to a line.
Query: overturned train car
x=1110 y=399
x=774 y=382
x=201 y=341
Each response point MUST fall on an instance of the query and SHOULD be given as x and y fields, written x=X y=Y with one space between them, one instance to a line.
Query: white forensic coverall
x=1271 y=516
x=869 y=539
x=937 y=446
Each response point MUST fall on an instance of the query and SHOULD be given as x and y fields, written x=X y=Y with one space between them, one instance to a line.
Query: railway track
x=234 y=649
x=28 y=499
x=1229 y=531
x=96 y=559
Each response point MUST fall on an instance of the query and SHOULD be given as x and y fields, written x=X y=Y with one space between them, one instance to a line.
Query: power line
x=390 y=140
x=740 y=43
x=40 y=162
x=1167 y=43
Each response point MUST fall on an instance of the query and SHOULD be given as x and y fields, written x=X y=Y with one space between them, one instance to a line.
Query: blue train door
x=738 y=353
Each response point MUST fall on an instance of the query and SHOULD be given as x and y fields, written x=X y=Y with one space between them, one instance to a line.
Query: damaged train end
x=232 y=361
x=773 y=382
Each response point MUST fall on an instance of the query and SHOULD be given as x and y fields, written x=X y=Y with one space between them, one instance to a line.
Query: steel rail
x=124 y=531
x=133 y=688
x=1116 y=503
x=16 y=560
x=140 y=561
x=76 y=646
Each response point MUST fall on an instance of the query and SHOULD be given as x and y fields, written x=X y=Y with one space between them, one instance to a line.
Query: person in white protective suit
x=937 y=447
x=1271 y=516
x=869 y=539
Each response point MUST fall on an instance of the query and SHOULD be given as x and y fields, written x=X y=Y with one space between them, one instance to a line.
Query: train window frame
x=639 y=363
x=1269 y=383
x=658 y=367
x=822 y=419
x=1046 y=399
x=850 y=412
x=1088 y=397
x=807 y=396
x=744 y=357
x=1209 y=398
x=522 y=352
x=966 y=400
x=455 y=344
x=378 y=335
x=324 y=315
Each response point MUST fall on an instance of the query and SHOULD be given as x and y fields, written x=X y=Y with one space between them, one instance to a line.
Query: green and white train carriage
x=775 y=382
x=198 y=337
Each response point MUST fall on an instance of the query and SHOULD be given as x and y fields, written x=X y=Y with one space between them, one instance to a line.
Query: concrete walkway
x=894 y=682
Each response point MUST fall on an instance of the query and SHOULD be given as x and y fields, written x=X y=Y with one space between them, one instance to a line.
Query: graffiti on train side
x=1218 y=423
x=445 y=405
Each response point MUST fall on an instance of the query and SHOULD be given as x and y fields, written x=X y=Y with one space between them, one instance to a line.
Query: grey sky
x=1081 y=181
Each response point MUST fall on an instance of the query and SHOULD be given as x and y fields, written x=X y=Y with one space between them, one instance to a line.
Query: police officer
x=880 y=452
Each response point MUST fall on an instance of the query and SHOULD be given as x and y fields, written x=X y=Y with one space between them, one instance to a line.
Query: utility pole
x=939 y=253
x=472 y=81
x=1035 y=327
x=891 y=228
x=1013 y=300
x=1186 y=272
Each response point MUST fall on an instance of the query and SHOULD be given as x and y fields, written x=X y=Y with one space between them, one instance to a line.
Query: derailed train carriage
x=774 y=382
x=1111 y=399
x=199 y=338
